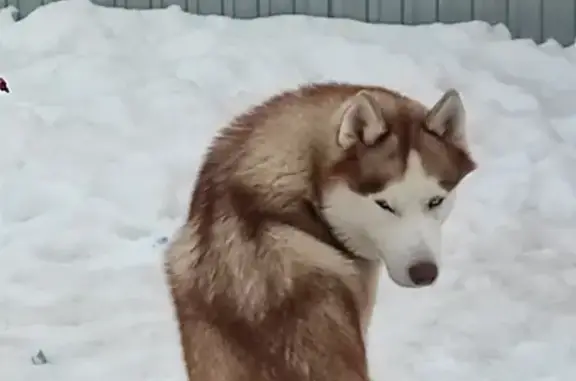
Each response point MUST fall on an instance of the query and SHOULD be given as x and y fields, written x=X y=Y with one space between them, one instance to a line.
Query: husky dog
x=297 y=204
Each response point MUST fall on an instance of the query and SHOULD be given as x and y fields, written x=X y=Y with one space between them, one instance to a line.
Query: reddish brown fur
x=261 y=288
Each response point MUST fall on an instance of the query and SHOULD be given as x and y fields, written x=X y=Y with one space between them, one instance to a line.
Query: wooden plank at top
x=420 y=11
x=525 y=19
x=452 y=11
x=210 y=7
x=281 y=7
x=391 y=11
x=491 y=11
x=357 y=9
x=180 y=3
x=244 y=9
x=558 y=21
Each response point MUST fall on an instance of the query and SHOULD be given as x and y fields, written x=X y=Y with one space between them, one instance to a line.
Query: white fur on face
x=409 y=234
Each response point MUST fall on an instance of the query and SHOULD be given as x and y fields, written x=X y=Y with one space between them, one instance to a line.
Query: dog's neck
x=321 y=230
x=308 y=218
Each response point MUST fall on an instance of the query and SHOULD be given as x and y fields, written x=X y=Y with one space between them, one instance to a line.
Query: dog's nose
x=423 y=273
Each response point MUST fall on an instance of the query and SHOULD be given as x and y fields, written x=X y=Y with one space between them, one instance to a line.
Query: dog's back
x=262 y=292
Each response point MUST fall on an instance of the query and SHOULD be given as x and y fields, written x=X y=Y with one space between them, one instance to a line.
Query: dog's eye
x=384 y=205
x=435 y=202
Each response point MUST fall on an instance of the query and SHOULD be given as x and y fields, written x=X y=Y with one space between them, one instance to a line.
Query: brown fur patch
x=277 y=355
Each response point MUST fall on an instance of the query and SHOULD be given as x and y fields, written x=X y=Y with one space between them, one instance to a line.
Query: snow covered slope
x=111 y=109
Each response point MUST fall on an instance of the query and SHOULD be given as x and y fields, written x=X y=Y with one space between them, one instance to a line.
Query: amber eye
x=435 y=202
x=384 y=205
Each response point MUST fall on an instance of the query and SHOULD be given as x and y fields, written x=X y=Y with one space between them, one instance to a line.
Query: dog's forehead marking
x=415 y=173
x=415 y=184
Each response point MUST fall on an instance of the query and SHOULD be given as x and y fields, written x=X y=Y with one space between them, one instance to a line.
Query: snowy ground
x=110 y=111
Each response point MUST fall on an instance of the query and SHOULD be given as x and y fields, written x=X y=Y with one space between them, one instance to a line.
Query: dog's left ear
x=361 y=121
x=447 y=118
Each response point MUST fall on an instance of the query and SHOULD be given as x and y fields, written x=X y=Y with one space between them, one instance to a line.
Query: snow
x=110 y=112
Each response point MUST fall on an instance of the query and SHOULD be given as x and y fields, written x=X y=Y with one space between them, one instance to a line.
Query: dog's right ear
x=447 y=118
x=361 y=121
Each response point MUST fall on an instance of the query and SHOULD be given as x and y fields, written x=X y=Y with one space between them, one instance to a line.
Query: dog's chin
x=360 y=246
x=409 y=285
x=404 y=281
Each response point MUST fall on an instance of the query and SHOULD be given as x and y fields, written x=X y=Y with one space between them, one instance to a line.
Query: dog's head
x=394 y=186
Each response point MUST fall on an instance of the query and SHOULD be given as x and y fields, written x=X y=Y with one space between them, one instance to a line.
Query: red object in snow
x=4 y=86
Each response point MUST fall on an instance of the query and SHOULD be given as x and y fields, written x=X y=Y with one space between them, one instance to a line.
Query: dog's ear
x=447 y=118
x=360 y=121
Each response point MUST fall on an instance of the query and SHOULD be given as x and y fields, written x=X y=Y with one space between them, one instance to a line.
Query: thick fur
x=274 y=274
